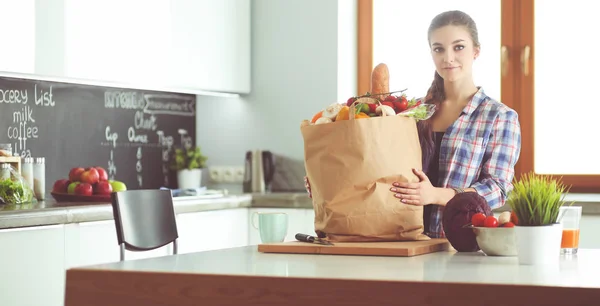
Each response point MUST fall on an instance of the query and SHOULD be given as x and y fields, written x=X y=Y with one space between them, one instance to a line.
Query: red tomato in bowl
x=478 y=219
x=508 y=224
x=513 y=217
x=490 y=221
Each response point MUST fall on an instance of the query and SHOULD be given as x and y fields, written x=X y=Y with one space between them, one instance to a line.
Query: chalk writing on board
x=143 y=122
x=111 y=138
x=138 y=165
x=112 y=168
x=123 y=100
x=169 y=105
x=186 y=140
x=43 y=97
x=24 y=126
x=166 y=142
x=80 y=125
x=132 y=136
x=11 y=96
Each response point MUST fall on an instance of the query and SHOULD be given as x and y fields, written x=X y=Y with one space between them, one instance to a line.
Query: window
x=566 y=106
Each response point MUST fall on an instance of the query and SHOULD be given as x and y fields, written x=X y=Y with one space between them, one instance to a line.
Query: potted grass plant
x=188 y=162
x=536 y=200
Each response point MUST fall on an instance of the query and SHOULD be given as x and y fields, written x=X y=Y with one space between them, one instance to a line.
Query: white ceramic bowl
x=496 y=241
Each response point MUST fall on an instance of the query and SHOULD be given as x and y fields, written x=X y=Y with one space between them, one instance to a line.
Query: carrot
x=316 y=117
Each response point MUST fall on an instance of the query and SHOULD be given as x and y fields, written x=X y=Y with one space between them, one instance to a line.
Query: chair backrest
x=144 y=219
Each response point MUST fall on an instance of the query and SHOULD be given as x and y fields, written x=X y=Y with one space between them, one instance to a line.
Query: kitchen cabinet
x=32 y=265
x=19 y=45
x=211 y=230
x=174 y=45
x=91 y=243
x=118 y=41
x=34 y=259
x=211 y=45
x=300 y=220
x=183 y=44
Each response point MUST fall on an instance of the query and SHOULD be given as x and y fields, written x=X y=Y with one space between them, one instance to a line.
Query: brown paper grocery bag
x=351 y=165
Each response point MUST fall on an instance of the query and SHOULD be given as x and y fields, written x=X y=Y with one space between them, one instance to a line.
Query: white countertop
x=581 y=270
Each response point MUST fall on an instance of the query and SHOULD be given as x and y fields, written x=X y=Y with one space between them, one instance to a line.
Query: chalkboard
x=128 y=132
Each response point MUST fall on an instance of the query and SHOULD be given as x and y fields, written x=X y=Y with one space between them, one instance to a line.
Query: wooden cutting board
x=400 y=248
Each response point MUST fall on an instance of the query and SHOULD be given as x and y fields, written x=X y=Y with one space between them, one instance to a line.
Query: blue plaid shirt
x=479 y=150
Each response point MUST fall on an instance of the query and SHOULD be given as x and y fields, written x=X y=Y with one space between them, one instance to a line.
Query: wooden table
x=243 y=276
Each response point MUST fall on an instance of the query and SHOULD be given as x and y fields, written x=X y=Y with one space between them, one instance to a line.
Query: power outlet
x=238 y=174
x=226 y=174
x=216 y=174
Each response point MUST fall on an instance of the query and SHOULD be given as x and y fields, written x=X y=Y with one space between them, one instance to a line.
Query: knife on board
x=312 y=239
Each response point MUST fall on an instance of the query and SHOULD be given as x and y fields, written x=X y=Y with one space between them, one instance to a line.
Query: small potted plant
x=188 y=162
x=536 y=201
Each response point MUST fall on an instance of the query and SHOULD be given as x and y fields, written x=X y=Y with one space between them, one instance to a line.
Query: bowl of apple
x=495 y=236
x=89 y=184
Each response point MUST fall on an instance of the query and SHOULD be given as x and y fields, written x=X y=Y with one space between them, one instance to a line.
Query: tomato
x=513 y=218
x=508 y=224
x=390 y=98
x=490 y=221
x=401 y=105
x=477 y=219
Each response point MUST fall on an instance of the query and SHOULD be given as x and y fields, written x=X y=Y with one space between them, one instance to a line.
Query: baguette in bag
x=380 y=80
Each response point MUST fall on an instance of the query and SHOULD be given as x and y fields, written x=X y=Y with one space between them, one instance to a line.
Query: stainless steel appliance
x=259 y=170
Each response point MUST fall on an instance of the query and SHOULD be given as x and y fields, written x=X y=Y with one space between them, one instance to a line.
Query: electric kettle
x=259 y=170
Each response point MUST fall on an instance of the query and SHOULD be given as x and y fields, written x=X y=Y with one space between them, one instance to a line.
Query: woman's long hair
x=436 y=94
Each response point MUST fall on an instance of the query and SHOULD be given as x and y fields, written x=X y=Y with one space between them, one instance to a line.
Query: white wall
x=300 y=64
x=347 y=49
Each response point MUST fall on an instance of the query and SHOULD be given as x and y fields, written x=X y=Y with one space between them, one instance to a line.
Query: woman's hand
x=421 y=193
x=307 y=186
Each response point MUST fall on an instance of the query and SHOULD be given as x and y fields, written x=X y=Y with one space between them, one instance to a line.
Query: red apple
x=103 y=187
x=75 y=174
x=84 y=189
x=61 y=185
x=90 y=176
x=102 y=174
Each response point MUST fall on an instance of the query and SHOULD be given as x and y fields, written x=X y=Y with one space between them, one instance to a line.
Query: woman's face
x=453 y=52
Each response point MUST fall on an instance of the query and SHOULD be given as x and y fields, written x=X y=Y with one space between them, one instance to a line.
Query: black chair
x=144 y=219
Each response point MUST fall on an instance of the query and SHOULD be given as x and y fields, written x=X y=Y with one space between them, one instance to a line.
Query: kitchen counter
x=50 y=212
x=243 y=276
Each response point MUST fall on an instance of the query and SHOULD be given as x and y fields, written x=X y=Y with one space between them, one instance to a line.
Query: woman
x=472 y=142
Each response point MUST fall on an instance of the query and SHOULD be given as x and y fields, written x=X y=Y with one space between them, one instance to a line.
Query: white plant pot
x=538 y=245
x=189 y=178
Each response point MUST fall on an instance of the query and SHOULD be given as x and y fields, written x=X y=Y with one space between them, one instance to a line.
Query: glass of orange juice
x=570 y=217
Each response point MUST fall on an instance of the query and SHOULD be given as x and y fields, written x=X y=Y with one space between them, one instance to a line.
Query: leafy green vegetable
x=13 y=192
x=419 y=112
x=412 y=102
